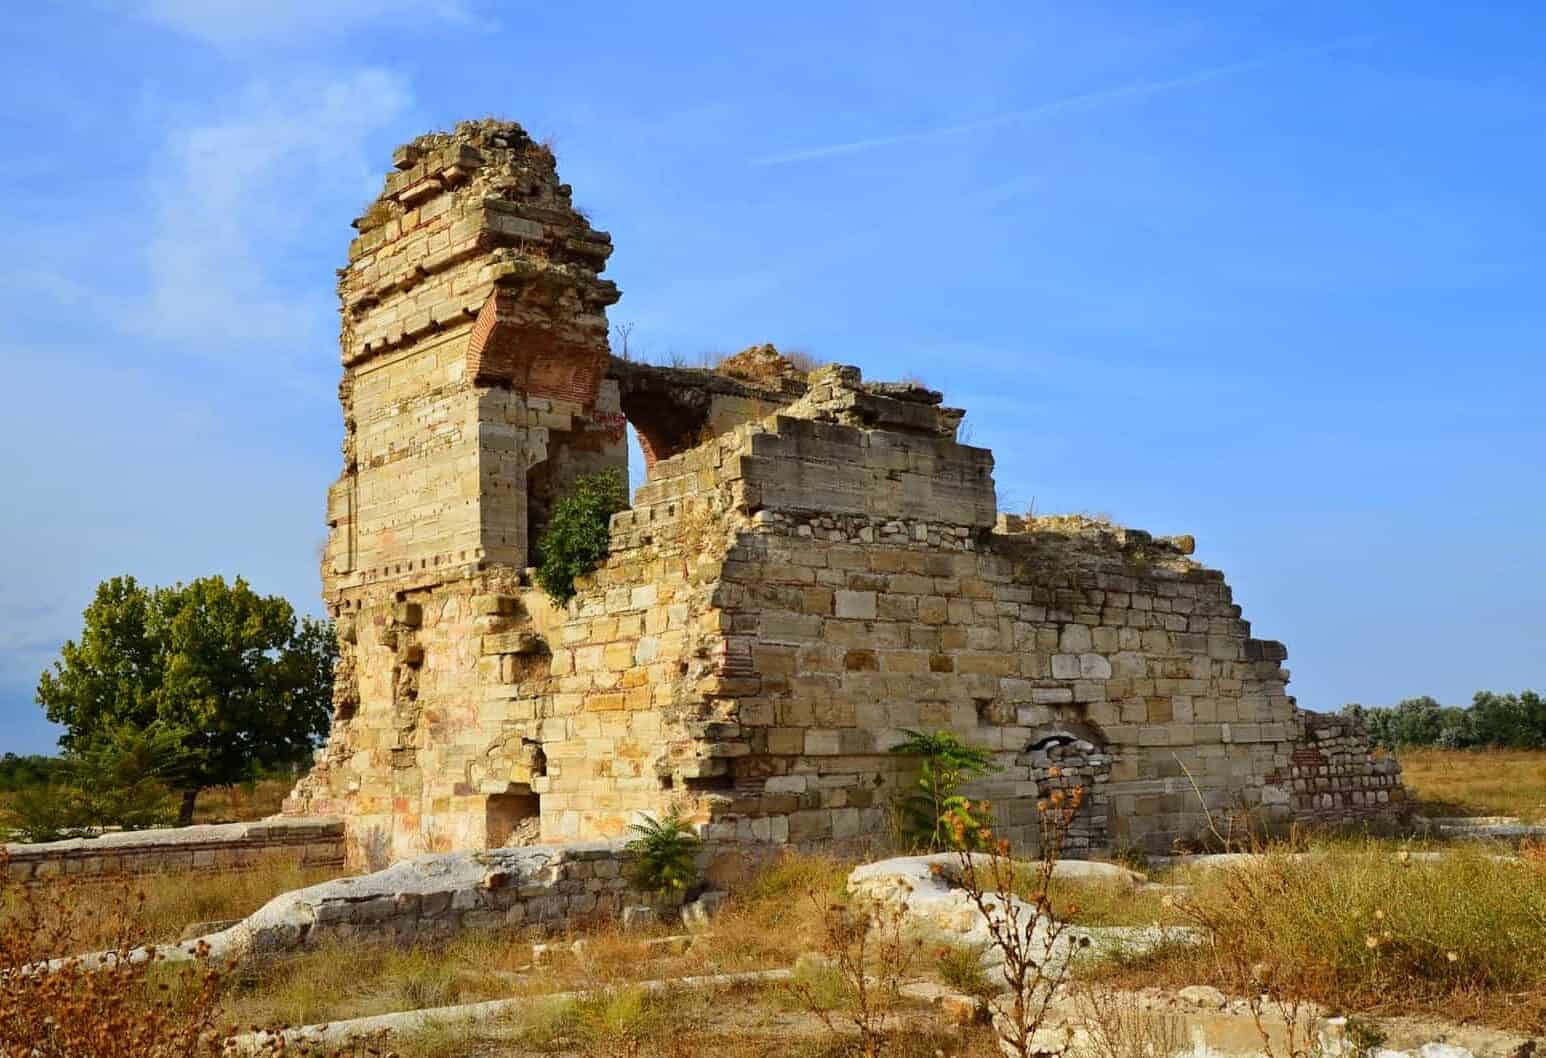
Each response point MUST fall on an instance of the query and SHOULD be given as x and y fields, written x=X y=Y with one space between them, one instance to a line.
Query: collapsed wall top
x=474 y=344
x=488 y=193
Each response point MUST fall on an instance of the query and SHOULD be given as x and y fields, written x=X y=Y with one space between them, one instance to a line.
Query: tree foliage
x=579 y=532
x=927 y=812
x=1513 y=721
x=230 y=677
x=20 y=771
x=122 y=777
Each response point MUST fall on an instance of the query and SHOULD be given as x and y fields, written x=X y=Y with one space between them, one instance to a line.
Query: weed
x=664 y=854
x=1119 y=1026
x=1028 y=940
x=926 y=813
x=870 y=956
x=960 y=967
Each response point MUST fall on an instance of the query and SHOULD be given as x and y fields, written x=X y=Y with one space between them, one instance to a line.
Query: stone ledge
x=313 y=842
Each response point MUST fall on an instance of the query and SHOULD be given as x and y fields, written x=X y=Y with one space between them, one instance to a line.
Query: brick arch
x=667 y=423
x=507 y=348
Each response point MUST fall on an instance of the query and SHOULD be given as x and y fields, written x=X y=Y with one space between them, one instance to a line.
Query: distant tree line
x=1493 y=721
x=22 y=772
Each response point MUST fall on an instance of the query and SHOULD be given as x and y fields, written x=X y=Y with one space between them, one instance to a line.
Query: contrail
x=1083 y=101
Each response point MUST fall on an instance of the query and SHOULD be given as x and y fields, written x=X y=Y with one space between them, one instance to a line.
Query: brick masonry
x=815 y=564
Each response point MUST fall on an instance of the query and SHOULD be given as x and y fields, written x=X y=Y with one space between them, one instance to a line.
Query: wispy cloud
x=1057 y=107
x=228 y=22
x=235 y=197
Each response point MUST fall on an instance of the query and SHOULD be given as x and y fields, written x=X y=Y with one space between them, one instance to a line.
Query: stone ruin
x=814 y=564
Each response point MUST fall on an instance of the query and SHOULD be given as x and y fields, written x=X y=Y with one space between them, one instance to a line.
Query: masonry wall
x=211 y=847
x=815 y=566
x=827 y=635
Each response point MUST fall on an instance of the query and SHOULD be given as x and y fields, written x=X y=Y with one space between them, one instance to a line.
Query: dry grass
x=246 y=801
x=1103 y=903
x=1458 y=782
x=160 y=906
x=769 y=924
x=1360 y=929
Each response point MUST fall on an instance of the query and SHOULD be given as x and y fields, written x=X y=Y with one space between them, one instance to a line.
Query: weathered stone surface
x=814 y=565
x=317 y=842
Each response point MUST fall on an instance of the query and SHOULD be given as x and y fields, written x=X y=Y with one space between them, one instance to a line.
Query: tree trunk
x=185 y=813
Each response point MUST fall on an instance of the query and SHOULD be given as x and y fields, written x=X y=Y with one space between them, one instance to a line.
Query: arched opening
x=1061 y=761
x=637 y=474
x=665 y=423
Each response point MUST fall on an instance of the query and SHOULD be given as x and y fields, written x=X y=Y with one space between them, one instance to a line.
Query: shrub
x=945 y=763
x=579 y=532
x=665 y=854
x=127 y=1009
x=1359 y=927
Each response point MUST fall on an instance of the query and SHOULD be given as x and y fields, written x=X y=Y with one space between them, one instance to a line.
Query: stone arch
x=1067 y=757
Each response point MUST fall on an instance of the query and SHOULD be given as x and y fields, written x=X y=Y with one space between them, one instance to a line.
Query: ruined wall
x=865 y=587
x=209 y=847
x=814 y=566
x=474 y=345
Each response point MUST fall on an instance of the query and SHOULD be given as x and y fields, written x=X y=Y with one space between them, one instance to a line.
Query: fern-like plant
x=579 y=532
x=665 y=854
x=929 y=812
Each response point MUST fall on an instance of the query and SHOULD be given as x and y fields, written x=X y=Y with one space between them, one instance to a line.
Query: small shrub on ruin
x=579 y=532
x=926 y=813
x=665 y=855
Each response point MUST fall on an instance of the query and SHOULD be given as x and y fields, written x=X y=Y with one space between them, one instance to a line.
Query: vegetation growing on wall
x=579 y=532
x=664 y=854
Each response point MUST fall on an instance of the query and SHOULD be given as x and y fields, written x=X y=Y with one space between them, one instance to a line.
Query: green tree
x=241 y=682
x=1417 y=722
x=121 y=776
x=928 y=811
x=1514 y=720
x=579 y=532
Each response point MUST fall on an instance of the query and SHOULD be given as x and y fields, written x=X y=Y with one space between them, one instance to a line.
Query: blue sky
x=1268 y=273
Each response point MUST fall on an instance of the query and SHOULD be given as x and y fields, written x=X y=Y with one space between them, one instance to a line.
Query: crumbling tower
x=474 y=347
